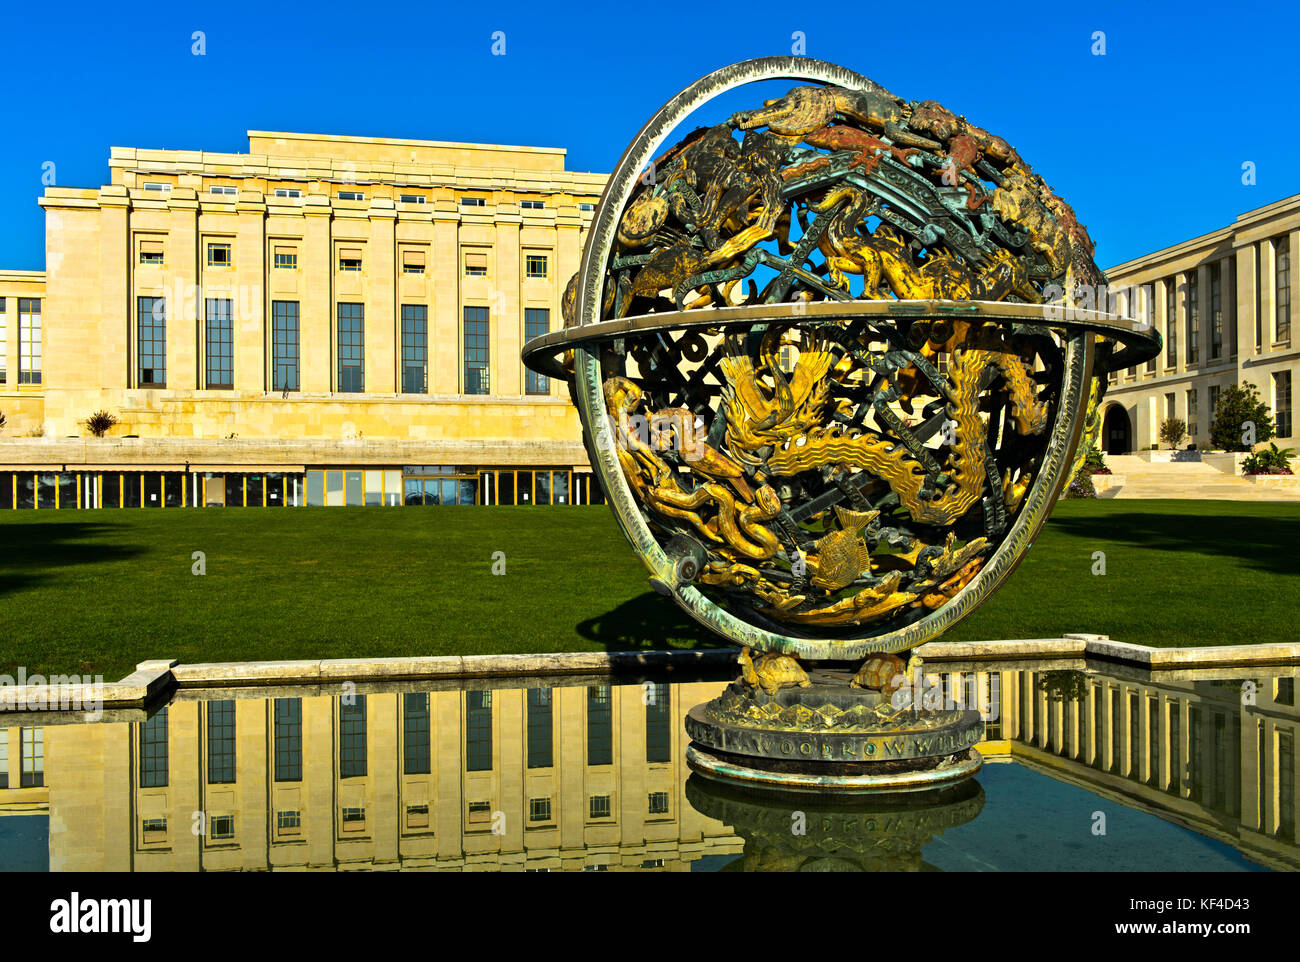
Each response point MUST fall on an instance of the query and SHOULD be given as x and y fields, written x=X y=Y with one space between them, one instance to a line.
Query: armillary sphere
x=835 y=358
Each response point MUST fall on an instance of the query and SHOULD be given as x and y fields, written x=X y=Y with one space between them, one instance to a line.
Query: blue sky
x=1147 y=142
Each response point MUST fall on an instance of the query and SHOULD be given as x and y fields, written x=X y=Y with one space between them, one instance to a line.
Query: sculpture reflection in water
x=786 y=832
x=580 y=774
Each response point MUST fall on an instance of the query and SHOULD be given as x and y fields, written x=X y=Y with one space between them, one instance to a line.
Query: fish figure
x=842 y=555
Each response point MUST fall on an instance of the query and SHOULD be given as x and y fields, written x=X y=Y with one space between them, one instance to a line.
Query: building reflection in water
x=591 y=776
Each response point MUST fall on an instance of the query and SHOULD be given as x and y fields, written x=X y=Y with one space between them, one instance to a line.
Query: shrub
x=1237 y=405
x=2 y=420
x=1094 y=462
x=1272 y=461
x=1081 y=486
x=1172 y=432
x=99 y=423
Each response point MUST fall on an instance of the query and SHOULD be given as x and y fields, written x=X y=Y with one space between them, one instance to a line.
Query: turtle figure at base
x=772 y=671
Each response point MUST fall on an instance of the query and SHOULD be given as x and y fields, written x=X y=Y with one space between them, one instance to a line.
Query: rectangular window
x=1171 y=322
x=599 y=807
x=586 y=207
x=288 y=739
x=219 y=359
x=284 y=345
x=1216 y=311
x=221 y=742
x=1282 y=403
x=286 y=259
x=151 y=342
x=1192 y=413
x=1193 y=317
x=1148 y=294
x=532 y=205
x=1214 y=401
x=349 y=259
x=539 y=810
x=351 y=348
x=351 y=195
x=1169 y=405
x=352 y=736
x=658 y=737
x=541 y=733
x=600 y=726
x=1282 y=271
x=416 y=750
x=475 y=264
x=153 y=751
x=472 y=202
x=535 y=265
x=221 y=827
x=412 y=199
x=476 y=350
x=151 y=252
x=223 y=190
x=658 y=804
x=537 y=321
x=219 y=255
x=156 y=188
x=288 y=192
x=288 y=822
x=478 y=731
x=412 y=262
x=29 y=340
x=415 y=349
x=33 y=744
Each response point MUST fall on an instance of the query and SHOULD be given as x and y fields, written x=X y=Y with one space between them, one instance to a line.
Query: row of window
x=220 y=255
x=1282 y=419
x=413 y=485
x=29 y=339
x=228 y=190
x=286 y=346
x=417 y=736
x=1221 y=306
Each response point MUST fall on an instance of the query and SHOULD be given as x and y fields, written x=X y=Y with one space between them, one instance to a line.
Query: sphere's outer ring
x=589 y=392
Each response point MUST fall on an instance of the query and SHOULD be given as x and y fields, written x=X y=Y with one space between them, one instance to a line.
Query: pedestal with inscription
x=830 y=737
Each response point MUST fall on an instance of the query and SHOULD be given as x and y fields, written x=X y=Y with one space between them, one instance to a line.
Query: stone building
x=1227 y=306
x=323 y=320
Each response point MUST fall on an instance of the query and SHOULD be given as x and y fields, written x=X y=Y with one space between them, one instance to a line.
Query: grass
x=85 y=592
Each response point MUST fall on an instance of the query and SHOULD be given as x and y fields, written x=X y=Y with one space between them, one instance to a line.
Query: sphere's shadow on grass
x=648 y=621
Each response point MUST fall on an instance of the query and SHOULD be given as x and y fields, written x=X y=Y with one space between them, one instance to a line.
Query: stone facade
x=317 y=288
x=1227 y=305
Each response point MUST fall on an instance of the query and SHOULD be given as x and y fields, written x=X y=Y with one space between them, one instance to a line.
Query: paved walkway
x=1183 y=479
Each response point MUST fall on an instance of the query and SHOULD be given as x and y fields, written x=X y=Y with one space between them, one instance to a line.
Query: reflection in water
x=587 y=776
x=787 y=832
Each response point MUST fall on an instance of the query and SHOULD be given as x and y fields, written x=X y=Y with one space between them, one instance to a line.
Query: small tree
x=99 y=423
x=1239 y=408
x=1172 y=432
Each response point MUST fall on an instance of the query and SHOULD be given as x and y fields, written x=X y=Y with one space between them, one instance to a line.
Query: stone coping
x=152 y=679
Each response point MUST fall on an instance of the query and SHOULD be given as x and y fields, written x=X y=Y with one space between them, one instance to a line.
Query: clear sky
x=1147 y=141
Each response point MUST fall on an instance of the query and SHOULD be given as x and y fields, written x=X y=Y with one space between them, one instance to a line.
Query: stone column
x=185 y=314
x=1203 y=311
x=382 y=324
x=316 y=297
x=250 y=328
x=1267 y=294
x=444 y=323
x=506 y=323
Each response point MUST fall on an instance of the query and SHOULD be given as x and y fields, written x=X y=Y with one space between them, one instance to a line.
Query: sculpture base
x=830 y=738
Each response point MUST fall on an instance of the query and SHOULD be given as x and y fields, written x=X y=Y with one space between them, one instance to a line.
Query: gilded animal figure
x=882 y=673
x=771 y=671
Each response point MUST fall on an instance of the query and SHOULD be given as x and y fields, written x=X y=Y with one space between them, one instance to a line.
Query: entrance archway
x=1116 y=431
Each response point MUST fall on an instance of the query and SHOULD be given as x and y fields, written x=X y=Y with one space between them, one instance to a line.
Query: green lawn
x=97 y=592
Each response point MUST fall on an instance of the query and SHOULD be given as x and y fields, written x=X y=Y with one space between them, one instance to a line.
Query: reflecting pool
x=1086 y=768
